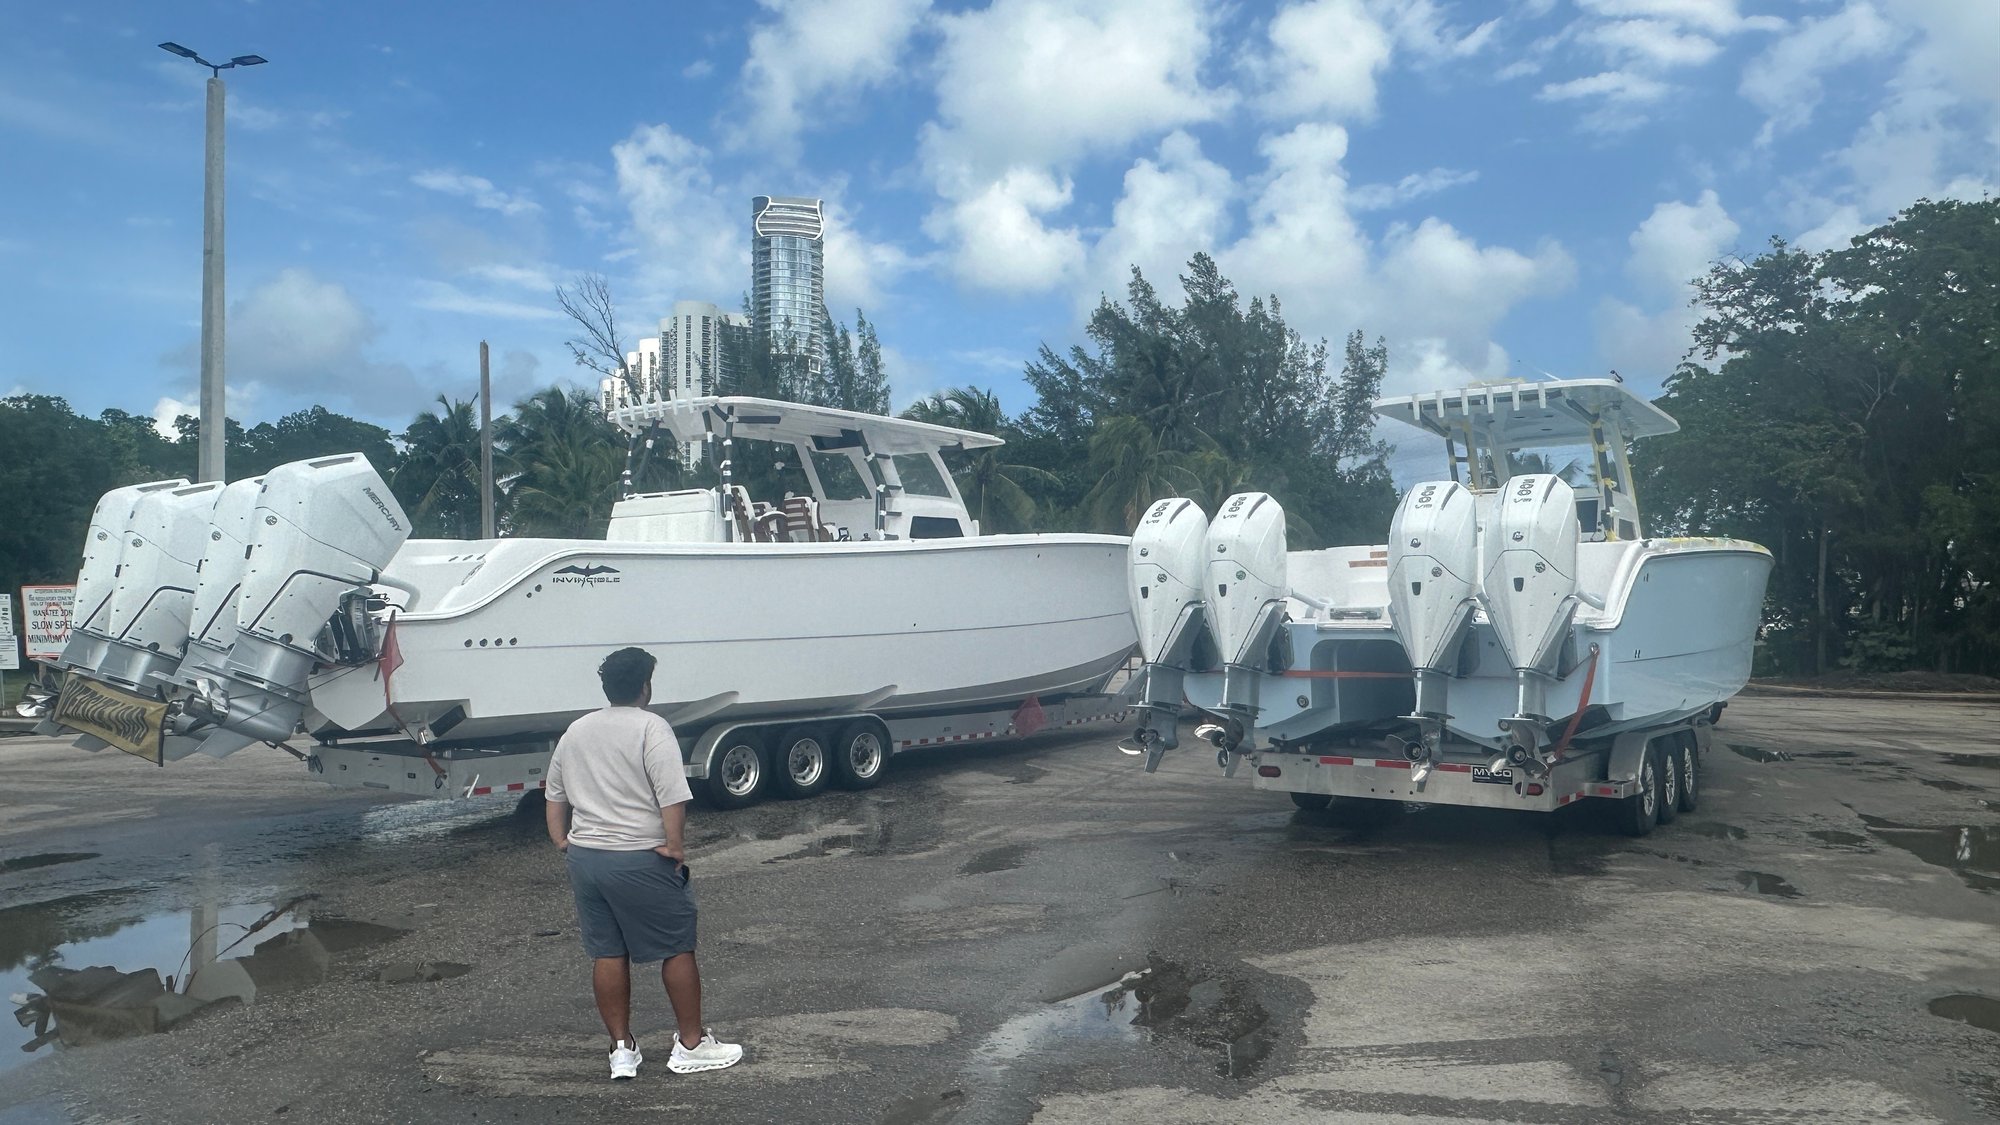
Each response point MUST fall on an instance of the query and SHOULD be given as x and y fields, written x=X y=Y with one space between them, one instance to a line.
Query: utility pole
x=214 y=417
x=486 y=529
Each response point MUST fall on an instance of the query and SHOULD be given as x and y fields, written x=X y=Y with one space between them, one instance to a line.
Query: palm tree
x=1133 y=471
x=991 y=486
x=565 y=460
x=437 y=475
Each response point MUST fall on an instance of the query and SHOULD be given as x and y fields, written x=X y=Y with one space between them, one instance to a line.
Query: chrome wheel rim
x=805 y=761
x=1687 y=771
x=864 y=754
x=1649 y=794
x=1670 y=782
x=740 y=770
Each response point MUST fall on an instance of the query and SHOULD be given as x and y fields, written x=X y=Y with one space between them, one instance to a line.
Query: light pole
x=208 y=462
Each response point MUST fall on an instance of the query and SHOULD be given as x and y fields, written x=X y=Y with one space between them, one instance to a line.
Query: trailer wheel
x=1687 y=763
x=1312 y=802
x=1668 y=749
x=859 y=756
x=736 y=774
x=1638 y=813
x=801 y=762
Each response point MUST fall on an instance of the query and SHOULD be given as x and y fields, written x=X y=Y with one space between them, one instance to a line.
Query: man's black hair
x=625 y=674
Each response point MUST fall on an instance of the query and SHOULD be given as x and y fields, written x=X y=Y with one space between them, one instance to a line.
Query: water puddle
x=1765 y=883
x=1759 y=754
x=80 y=971
x=45 y=859
x=1982 y=1012
x=1974 y=761
x=1836 y=754
x=1949 y=786
x=1840 y=839
x=1717 y=831
x=1004 y=858
x=1973 y=852
x=1164 y=998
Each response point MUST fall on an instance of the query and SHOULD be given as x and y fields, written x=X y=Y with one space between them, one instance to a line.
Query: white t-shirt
x=616 y=769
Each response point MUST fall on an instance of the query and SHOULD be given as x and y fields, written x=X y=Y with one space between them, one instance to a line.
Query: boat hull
x=501 y=639
x=1675 y=637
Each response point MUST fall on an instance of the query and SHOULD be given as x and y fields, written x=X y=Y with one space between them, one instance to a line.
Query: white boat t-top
x=210 y=618
x=1509 y=616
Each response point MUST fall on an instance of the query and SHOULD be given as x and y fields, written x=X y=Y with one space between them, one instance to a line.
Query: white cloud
x=820 y=51
x=166 y=410
x=442 y=296
x=1717 y=17
x=1612 y=85
x=699 y=68
x=859 y=270
x=688 y=232
x=478 y=189
x=1676 y=243
x=1000 y=235
x=1174 y=204
x=300 y=334
x=1785 y=81
x=1657 y=43
x=1323 y=62
x=1415 y=186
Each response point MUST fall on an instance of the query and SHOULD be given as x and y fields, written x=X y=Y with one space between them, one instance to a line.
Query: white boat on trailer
x=801 y=638
x=1517 y=642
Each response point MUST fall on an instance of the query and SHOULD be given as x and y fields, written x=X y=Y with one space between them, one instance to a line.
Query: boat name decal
x=590 y=575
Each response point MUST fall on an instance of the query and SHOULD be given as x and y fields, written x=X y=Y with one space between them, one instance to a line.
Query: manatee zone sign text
x=46 y=610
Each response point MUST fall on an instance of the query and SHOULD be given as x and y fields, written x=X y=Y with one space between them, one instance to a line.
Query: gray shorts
x=631 y=904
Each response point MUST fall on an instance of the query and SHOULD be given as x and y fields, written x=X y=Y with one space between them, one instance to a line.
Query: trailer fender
x=1628 y=750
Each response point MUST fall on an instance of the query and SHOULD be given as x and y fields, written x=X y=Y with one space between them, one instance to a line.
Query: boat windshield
x=838 y=476
x=920 y=475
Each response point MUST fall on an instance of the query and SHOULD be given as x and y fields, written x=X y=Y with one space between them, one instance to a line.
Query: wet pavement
x=1037 y=933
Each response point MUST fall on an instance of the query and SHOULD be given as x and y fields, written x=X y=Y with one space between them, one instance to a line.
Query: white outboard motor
x=103 y=546
x=146 y=618
x=1245 y=595
x=1164 y=581
x=1433 y=574
x=1529 y=587
x=212 y=619
x=320 y=529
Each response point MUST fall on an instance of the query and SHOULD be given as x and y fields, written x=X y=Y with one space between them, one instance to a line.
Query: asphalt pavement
x=1042 y=932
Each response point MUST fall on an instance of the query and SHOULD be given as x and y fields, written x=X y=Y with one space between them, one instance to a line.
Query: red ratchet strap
x=1582 y=701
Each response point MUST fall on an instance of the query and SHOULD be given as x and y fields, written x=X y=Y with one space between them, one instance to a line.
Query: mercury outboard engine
x=103 y=546
x=1433 y=567
x=1164 y=582
x=146 y=618
x=1245 y=594
x=1529 y=588
x=320 y=529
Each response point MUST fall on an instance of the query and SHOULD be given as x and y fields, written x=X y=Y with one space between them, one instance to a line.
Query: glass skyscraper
x=788 y=275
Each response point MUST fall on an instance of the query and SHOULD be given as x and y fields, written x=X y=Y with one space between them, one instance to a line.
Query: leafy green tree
x=437 y=477
x=565 y=462
x=990 y=482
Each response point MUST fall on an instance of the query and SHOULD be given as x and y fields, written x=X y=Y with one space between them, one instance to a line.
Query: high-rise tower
x=788 y=276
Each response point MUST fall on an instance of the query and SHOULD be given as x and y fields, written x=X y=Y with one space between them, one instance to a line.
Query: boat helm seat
x=802 y=523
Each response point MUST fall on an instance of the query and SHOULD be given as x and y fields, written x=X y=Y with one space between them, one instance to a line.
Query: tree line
x=1840 y=407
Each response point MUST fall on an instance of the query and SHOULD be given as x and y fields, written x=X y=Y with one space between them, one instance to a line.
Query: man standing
x=617 y=805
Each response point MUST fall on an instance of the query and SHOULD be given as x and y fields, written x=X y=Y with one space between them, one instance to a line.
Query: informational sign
x=10 y=645
x=46 y=610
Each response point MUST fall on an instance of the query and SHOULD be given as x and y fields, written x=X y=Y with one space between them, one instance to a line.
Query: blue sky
x=1496 y=188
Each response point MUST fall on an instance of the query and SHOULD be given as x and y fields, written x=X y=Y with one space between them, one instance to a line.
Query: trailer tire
x=738 y=773
x=1668 y=749
x=1687 y=762
x=801 y=763
x=1636 y=815
x=860 y=754
x=1312 y=802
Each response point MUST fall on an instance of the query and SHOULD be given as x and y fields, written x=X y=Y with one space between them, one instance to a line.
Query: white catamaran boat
x=1517 y=641
x=212 y=618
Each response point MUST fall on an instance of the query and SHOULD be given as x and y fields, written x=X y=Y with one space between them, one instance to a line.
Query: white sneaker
x=709 y=1054
x=625 y=1060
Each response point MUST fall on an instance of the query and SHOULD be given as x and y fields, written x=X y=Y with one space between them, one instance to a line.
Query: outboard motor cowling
x=96 y=583
x=1164 y=582
x=1245 y=595
x=212 y=619
x=320 y=529
x=147 y=615
x=1529 y=585
x=1433 y=575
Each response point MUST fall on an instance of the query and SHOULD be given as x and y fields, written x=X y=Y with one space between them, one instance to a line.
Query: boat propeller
x=1145 y=742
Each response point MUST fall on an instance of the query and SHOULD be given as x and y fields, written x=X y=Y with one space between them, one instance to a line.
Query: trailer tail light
x=1268 y=771
x=1535 y=789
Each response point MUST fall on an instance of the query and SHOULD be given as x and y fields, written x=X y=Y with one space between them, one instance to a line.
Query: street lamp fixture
x=209 y=449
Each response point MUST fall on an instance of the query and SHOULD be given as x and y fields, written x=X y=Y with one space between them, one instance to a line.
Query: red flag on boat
x=1029 y=716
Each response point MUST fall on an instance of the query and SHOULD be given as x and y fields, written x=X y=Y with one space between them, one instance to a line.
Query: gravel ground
x=1044 y=933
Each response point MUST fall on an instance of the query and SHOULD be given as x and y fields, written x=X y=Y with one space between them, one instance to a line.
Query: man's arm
x=558 y=820
x=674 y=819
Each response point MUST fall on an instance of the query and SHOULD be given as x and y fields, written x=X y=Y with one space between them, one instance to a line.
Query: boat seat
x=802 y=524
x=740 y=515
x=767 y=524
